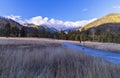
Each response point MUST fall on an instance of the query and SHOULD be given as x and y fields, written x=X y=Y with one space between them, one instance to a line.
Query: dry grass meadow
x=42 y=58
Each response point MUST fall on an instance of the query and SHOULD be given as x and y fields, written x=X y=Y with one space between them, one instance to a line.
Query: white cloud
x=116 y=7
x=68 y=24
x=13 y=17
x=58 y=24
x=38 y=20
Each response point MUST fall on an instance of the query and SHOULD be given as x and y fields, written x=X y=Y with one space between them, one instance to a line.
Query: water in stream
x=109 y=56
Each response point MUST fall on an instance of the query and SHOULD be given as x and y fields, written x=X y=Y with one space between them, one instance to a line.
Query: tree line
x=9 y=30
x=94 y=34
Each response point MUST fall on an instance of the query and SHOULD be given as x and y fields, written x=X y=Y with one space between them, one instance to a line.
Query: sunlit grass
x=111 y=18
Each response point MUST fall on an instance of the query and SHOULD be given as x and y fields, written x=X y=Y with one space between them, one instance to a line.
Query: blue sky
x=65 y=10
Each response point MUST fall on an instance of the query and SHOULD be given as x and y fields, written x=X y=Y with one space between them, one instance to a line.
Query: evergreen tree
x=7 y=29
x=23 y=32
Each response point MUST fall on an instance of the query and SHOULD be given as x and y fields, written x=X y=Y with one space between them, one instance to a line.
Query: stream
x=109 y=56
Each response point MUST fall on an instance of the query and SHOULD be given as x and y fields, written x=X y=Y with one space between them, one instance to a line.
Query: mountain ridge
x=110 y=18
x=13 y=23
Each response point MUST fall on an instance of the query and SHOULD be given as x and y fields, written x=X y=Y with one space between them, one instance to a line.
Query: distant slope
x=13 y=23
x=108 y=19
x=41 y=27
x=71 y=29
x=48 y=29
x=35 y=30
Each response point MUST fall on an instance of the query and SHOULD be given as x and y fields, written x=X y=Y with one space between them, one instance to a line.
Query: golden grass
x=111 y=18
x=52 y=62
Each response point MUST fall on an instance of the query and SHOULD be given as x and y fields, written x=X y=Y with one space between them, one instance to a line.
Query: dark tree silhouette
x=7 y=29
x=23 y=32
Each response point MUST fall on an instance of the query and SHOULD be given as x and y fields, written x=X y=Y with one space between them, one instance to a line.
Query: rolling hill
x=105 y=29
x=111 y=20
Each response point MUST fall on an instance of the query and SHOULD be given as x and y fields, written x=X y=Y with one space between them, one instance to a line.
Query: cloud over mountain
x=58 y=24
x=14 y=17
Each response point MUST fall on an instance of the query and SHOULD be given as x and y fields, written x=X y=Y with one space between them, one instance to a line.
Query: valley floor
x=49 y=58
x=112 y=47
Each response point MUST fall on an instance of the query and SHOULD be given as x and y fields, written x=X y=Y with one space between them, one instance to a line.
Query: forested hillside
x=105 y=29
x=11 y=28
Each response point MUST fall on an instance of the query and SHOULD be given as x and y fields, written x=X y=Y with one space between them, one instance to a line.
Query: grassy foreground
x=51 y=60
